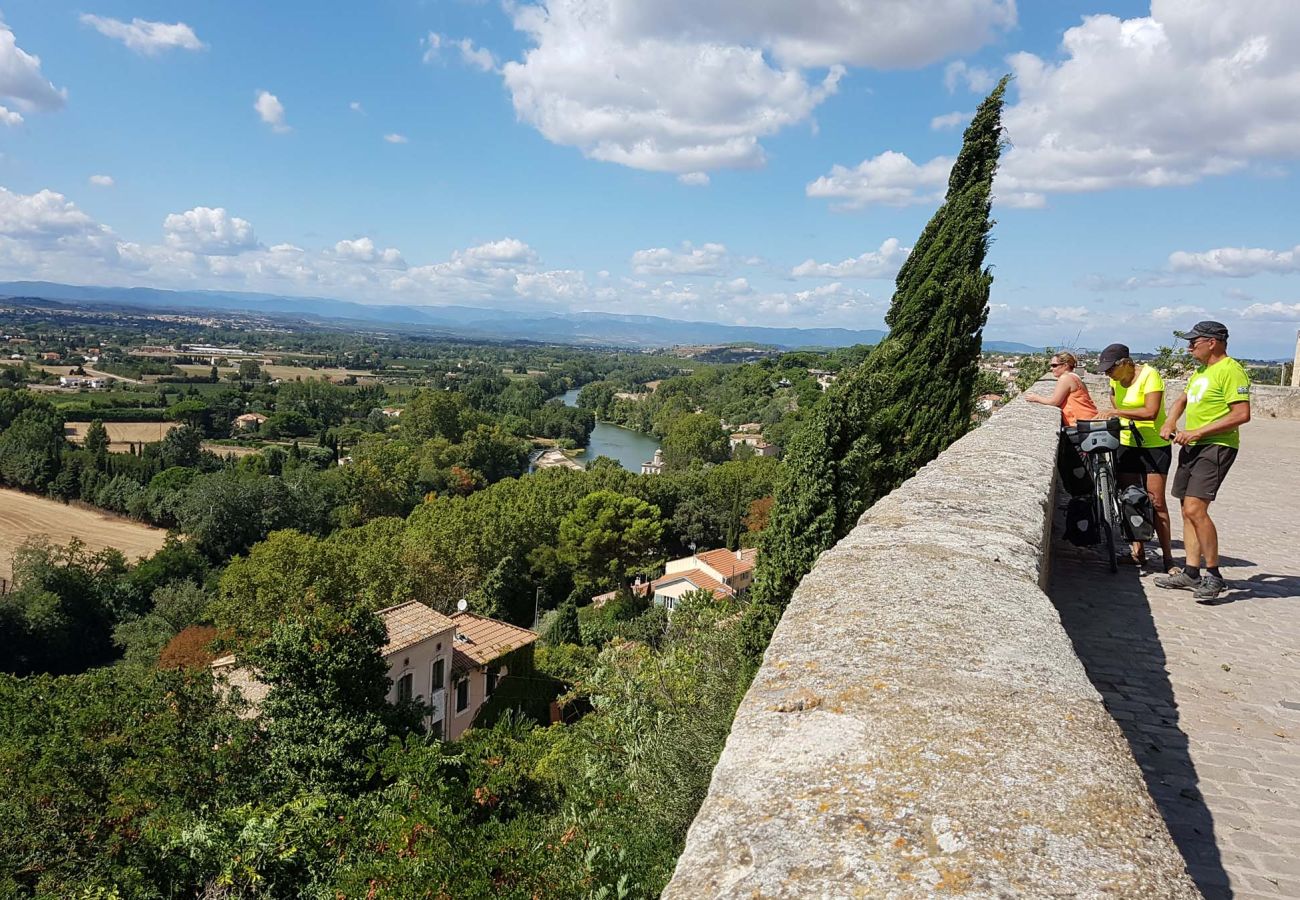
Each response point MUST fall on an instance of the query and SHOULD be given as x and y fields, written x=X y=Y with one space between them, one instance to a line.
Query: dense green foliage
x=913 y=395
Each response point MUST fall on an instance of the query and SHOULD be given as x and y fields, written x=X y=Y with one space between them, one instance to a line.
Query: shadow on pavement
x=1110 y=624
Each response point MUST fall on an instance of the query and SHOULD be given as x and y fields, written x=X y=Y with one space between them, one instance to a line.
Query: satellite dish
x=462 y=605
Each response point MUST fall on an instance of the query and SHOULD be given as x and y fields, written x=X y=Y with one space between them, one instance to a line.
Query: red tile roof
x=726 y=561
x=410 y=623
x=480 y=641
x=698 y=578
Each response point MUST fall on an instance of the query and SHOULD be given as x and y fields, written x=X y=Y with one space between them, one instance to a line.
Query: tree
x=608 y=535
x=194 y=413
x=695 y=438
x=562 y=625
x=1173 y=362
x=505 y=593
x=96 y=440
x=249 y=370
x=30 y=448
x=431 y=414
x=913 y=395
x=326 y=707
x=175 y=606
x=180 y=447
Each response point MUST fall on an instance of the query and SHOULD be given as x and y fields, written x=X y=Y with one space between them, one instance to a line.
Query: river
x=630 y=448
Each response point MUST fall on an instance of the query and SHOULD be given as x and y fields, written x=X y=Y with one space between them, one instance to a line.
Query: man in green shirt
x=1217 y=401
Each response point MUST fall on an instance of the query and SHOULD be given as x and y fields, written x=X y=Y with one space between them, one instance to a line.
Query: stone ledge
x=920 y=723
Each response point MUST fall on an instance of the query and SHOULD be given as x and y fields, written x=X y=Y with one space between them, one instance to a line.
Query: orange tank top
x=1078 y=403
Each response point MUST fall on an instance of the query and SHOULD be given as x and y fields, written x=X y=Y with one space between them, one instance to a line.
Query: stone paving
x=1209 y=696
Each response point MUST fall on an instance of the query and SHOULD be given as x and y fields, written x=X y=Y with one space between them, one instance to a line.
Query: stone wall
x=921 y=724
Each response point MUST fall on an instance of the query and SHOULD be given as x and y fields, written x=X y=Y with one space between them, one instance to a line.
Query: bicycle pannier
x=1137 y=514
x=1081 y=527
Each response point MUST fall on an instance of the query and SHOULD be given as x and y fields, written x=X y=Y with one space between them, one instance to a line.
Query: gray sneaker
x=1179 y=582
x=1209 y=588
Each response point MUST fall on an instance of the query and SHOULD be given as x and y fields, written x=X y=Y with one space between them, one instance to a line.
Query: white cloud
x=976 y=80
x=1072 y=315
x=364 y=250
x=707 y=259
x=882 y=263
x=271 y=111
x=476 y=57
x=1143 y=282
x=212 y=232
x=950 y=120
x=890 y=179
x=1193 y=90
x=144 y=37
x=694 y=179
x=396 y=138
x=1236 y=262
x=22 y=83
x=1273 y=312
x=1170 y=314
x=683 y=87
x=101 y=180
x=45 y=214
x=9 y=117
x=356 y=107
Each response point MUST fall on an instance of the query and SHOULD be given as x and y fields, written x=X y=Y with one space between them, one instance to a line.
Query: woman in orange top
x=1071 y=394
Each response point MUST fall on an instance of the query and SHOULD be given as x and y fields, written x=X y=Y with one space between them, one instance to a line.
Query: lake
x=630 y=448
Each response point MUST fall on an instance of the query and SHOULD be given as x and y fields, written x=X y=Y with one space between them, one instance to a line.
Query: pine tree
x=912 y=396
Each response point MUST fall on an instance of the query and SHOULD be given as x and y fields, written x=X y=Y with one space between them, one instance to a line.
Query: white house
x=451 y=665
x=755 y=442
x=248 y=421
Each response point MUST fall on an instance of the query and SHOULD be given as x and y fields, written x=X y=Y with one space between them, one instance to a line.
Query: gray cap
x=1204 y=329
x=1111 y=355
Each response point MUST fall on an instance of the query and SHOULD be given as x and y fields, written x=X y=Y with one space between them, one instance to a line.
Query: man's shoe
x=1180 y=582
x=1209 y=588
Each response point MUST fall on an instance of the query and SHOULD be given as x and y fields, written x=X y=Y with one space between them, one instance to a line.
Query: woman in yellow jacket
x=1138 y=397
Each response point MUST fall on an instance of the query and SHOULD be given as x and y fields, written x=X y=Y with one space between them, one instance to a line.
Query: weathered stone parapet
x=921 y=725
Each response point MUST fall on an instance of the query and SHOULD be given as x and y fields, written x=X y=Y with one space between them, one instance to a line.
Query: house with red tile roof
x=452 y=665
x=726 y=573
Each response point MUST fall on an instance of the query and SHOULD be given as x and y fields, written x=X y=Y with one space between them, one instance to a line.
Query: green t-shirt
x=1146 y=381
x=1211 y=391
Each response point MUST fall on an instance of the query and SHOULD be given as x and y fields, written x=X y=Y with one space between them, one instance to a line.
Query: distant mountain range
x=583 y=328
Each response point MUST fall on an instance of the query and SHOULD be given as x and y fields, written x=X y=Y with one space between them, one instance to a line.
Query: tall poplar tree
x=912 y=396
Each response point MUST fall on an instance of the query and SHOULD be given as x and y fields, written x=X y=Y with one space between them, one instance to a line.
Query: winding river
x=630 y=448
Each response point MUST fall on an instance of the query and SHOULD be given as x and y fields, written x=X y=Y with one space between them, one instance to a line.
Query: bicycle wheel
x=1105 y=478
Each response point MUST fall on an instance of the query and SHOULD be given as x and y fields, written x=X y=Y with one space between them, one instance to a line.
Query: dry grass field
x=228 y=449
x=288 y=373
x=24 y=515
x=122 y=434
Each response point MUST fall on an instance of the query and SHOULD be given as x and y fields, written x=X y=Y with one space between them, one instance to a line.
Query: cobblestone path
x=1209 y=696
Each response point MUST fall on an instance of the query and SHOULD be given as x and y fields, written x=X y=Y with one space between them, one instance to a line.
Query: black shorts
x=1201 y=470
x=1144 y=460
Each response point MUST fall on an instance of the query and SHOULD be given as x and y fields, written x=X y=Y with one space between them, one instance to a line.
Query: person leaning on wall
x=1071 y=394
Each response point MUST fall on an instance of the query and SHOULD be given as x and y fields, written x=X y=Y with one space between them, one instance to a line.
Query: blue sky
x=750 y=161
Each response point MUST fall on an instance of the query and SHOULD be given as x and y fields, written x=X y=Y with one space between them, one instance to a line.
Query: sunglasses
x=1053 y=365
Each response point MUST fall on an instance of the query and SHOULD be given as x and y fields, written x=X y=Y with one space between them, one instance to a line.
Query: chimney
x=740 y=554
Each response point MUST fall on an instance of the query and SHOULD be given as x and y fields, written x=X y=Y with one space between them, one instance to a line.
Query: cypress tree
x=912 y=396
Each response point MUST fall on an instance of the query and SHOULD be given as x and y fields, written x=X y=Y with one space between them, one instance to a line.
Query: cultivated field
x=122 y=434
x=287 y=373
x=24 y=515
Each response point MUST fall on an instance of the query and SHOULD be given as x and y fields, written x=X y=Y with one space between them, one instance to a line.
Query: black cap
x=1111 y=355
x=1204 y=329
